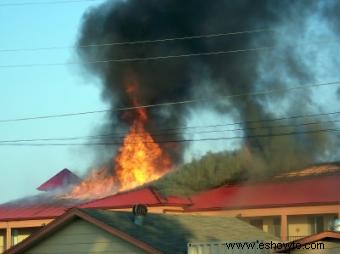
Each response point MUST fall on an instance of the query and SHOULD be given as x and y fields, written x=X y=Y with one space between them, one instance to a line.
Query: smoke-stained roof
x=64 y=178
x=321 y=169
x=292 y=192
x=42 y=206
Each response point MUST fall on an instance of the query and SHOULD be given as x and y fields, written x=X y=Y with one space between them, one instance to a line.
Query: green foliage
x=211 y=170
x=262 y=155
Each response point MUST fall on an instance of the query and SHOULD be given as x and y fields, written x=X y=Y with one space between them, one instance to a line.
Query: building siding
x=83 y=237
x=330 y=247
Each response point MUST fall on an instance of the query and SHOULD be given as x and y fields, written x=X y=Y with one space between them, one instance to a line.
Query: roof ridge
x=160 y=198
x=65 y=175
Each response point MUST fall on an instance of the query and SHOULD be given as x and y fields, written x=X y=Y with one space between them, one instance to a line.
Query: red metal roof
x=8 y=213
x=146 y=196
x=300 y=191
x=42 y=206
x=313 y=190
x=63 y=178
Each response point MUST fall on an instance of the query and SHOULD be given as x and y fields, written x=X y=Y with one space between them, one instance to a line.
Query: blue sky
x=42 y=91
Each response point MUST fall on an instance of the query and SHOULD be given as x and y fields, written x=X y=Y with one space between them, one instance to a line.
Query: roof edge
x=131 y=206
x=258 y=207
x=66 y=218
x=118 y=194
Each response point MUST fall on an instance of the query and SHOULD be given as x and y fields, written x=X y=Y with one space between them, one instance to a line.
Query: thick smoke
x=176 y=79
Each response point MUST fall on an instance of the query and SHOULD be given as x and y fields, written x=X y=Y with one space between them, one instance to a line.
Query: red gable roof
x=314 y=190
x=146 y=196
x=63 y=178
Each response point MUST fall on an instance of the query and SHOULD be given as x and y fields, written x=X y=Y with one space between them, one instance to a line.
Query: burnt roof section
x=64 y=178
x=315 y=170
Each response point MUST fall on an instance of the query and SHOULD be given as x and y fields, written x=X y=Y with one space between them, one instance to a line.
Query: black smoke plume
x=176 y=79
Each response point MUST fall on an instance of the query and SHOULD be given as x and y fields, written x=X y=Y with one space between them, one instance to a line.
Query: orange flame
x=139 y=160
x=98 y=183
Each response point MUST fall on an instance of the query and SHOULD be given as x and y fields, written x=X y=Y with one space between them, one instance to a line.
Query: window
x=316 y=223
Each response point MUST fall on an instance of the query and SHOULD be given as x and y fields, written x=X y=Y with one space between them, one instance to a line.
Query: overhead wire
x=264 y=92
x=178 y=140
x=155 y=58
x=161 y=134
x=150 y=41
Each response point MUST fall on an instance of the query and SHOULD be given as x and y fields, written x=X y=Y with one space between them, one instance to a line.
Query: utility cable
x=160 y=134
x=179 y=140
x=265 y=92
x=125 y=43
x=155 y=58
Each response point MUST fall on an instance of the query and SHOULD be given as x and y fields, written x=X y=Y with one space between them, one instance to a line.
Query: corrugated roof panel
x=322 y=189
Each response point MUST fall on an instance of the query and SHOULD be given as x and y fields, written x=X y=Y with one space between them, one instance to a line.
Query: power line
x=156 y=58
x=125 y=43
x=261 y=121
x=179 y=140
x=159 y=133
x=44 y=3
x=265 y=92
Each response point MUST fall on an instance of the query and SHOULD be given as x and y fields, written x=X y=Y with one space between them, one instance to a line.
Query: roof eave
x=218 y=208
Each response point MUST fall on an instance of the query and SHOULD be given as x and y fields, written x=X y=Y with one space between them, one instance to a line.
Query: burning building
x=290 y=206
x=155 y=61
x=146 y=53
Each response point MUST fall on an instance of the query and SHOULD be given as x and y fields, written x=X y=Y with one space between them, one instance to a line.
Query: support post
x=284 y=227
x=8 y=237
